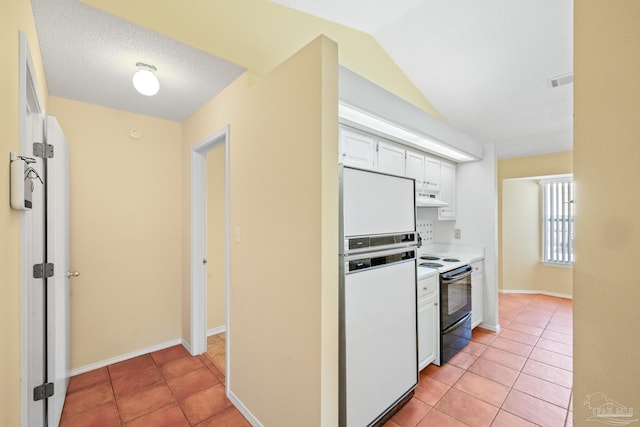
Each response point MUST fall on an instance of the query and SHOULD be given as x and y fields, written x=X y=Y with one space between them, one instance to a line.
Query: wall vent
x=561 y=80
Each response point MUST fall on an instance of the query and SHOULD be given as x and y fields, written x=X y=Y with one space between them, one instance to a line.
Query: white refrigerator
x=378 y=337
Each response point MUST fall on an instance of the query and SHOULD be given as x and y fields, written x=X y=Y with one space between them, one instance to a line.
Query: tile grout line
x=175 y=398
x=520 y=371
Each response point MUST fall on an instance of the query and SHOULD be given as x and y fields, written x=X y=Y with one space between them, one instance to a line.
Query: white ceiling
x=484 y=65
x=91 y=56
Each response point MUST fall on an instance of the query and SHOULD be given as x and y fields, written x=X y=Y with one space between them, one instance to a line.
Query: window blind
x=557 y=221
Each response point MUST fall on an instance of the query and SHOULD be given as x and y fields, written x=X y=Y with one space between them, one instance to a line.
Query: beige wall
x=283 y=273
x=519 y=234
x=216 y=304
x=607 y=173
x=521 y=243
x=125 y=230
x=15 y=16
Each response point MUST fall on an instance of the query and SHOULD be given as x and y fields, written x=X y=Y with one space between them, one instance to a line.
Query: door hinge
x=43 y=150
x=43 y=391
x=42 y=271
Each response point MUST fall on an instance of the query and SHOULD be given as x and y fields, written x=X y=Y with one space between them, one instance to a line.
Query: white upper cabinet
x=391 y=158
x=357 y=149
x=415 y=166
x=424 y=169
x=432 y=173
x=447 y=190
x=365 y=151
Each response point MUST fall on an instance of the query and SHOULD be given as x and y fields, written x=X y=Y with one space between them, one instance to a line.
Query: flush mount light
x=145 y=80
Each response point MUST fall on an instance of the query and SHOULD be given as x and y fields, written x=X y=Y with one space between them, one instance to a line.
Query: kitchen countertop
x=466 y=254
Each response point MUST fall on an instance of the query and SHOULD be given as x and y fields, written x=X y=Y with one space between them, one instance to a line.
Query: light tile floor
x=521 y=376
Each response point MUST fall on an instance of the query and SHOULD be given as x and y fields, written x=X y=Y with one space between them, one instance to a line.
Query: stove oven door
x=455 y=295
x=454 y=338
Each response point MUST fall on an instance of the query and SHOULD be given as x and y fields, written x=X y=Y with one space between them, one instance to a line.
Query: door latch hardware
x=43 y=150
x=42 y=271
x=42 y=392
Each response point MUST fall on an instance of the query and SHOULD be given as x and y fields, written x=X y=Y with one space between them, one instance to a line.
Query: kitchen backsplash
x=425 y=229
x=433 y=231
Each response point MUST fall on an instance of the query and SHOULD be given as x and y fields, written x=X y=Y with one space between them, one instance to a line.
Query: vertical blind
x=557 y=221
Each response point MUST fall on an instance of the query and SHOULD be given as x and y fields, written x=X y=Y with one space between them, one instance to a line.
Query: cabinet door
x=415 y=166
x=357 y=150
x=427 y=329
x=447 y=191
x=477 y=292
x=432 y=173
x=390 y=158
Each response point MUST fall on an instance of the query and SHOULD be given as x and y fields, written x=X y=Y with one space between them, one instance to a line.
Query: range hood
x=429 y=199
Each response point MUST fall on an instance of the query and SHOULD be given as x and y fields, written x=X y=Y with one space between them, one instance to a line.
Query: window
x=557 y=221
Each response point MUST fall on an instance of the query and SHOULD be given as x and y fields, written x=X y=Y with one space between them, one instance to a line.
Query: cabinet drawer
x=477 y=268
x=428 y=286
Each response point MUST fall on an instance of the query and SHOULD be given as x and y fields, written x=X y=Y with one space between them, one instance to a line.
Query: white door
x=32 y=225
x=58 y=254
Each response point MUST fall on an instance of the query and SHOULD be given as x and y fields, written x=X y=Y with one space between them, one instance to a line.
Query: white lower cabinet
x=477 y=285
x=428 y=321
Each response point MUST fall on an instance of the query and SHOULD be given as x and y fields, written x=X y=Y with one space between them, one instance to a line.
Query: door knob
x=73 y=273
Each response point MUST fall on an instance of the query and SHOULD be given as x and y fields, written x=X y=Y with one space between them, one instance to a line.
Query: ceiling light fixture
x=381 y=126
x=145 y=80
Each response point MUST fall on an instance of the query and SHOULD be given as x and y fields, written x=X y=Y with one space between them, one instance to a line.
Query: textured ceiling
x=91 y=56
x=484 y=65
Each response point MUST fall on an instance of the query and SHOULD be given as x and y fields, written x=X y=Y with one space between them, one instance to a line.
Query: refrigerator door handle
x=372 y=260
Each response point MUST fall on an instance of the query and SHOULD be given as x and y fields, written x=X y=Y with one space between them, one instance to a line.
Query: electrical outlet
x=456 y=233
x=237 y=234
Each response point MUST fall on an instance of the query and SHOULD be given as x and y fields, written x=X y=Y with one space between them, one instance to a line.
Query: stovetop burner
x=429 y=258
x=451 y=260
x=430 y=264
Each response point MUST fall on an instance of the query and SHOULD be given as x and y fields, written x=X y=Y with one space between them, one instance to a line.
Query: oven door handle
x=456 y=325
x=458 y=277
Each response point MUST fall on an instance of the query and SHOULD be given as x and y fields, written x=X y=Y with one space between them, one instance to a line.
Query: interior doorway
x=216 y=292
x=201 y=251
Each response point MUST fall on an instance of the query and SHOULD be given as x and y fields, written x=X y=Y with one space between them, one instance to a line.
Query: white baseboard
x=188 y=347
x=217 y=330
x=493 y=328
x=124 y=357
x=519 y=291
x=243 y=409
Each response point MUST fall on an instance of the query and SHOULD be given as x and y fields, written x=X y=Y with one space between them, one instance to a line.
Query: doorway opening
x=199 y=245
